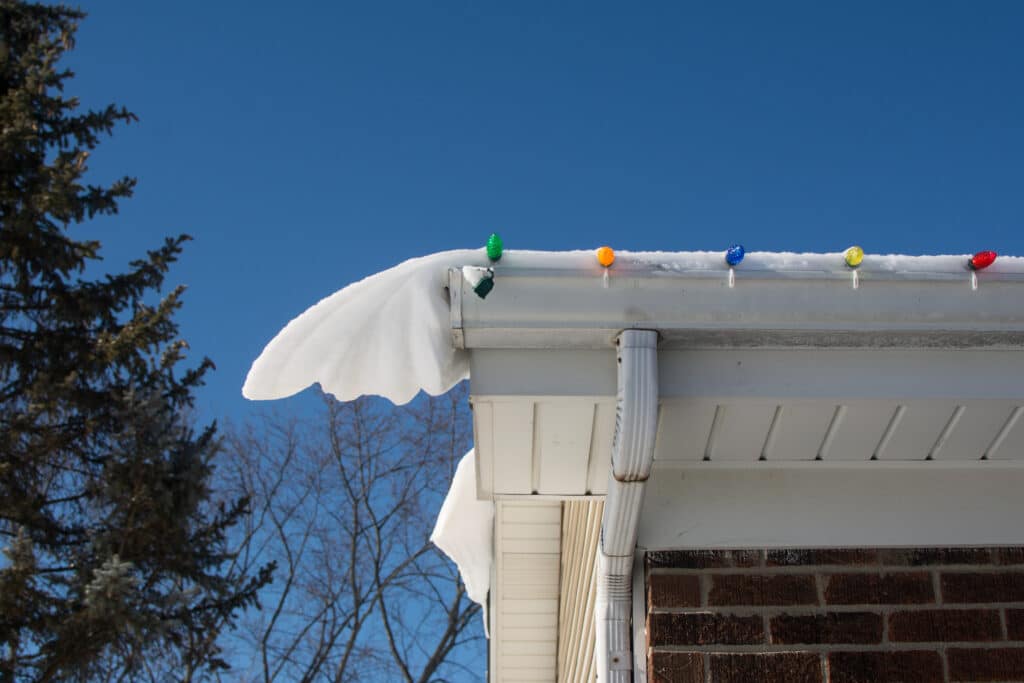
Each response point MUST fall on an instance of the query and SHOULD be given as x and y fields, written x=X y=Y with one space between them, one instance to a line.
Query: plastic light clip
x=480 y=279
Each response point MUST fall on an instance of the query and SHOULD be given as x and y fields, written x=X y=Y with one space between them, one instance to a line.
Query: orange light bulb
x=606 y=256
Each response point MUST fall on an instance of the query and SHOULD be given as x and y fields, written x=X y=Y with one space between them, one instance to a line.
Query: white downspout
x=636 y=423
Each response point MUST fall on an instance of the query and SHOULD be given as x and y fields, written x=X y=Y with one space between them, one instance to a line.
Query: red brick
x=917 y=557
x=673 y=590
x=1010 y=555
x=1001 y=587
x=937 y=625
x=774 y=667
x=703 y=559
x=1015 y=624
x=903 y=588
x=999 y=664
x=806 y=557
x=861 y=628
x=676 y=667
x=789 y=589
x=704 y=628
x=885 y=667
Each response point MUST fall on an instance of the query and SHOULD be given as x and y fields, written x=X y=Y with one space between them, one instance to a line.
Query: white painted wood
x=561 y=446
x=512 y=446
x=525 y=594
x=913 y=505
x=976 y=428
x=483 y=440
x=564 y=434
x=601 y=447
x=683 y=428
x=765 y=373
x=741 y=430
x=787 y=404
x=538 y=373
x=799 y=430
x=1009 y=443
x=526 y=545
x=920 y=425
x=858 y=429
x=841 y=373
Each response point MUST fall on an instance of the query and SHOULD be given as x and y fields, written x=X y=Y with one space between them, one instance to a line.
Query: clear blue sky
x=307 y=145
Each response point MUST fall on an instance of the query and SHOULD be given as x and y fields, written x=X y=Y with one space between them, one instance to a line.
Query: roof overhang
x=783 y=366
x=796 y=409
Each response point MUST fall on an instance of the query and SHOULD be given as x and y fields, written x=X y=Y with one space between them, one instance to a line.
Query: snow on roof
x=385 y=335
x=389 y=334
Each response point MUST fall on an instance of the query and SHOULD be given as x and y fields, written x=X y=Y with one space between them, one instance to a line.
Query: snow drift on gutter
x=389 y=334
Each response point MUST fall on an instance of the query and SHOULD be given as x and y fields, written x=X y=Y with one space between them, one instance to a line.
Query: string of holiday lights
x=482 y=279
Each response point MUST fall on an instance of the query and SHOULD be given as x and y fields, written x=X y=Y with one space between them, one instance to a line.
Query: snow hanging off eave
x=465 y=532
x=389 y=335
x=386 y=335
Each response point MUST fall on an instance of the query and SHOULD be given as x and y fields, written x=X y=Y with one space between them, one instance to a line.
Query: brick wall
x=836 y=616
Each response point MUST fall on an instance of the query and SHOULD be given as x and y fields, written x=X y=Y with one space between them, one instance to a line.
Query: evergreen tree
x=115 y=562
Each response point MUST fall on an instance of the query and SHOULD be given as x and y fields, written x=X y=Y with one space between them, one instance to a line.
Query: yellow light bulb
x=853 y=256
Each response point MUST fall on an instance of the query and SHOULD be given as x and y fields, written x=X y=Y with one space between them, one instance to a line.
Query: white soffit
x=544 y=419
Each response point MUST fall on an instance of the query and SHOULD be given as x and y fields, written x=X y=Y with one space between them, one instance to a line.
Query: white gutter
x=549 y=309
x=636 y=424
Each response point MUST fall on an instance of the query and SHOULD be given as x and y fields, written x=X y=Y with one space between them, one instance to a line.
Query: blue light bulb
x=734 y=254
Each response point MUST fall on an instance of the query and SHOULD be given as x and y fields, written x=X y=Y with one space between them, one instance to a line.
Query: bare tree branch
x=344 y=502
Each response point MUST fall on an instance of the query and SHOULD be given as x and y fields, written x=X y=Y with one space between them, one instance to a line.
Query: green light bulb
x=494 y=246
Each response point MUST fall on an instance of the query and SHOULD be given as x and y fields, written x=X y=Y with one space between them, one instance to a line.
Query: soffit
x=544 y=420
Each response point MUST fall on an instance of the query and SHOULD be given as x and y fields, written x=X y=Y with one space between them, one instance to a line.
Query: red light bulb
x=982 y=260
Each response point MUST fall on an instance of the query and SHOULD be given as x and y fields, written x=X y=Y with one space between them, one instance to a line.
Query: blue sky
x=307 y=145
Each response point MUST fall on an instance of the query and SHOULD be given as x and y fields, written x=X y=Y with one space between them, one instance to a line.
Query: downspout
x=636 y=423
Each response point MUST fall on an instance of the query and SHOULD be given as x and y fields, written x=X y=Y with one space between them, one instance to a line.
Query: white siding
x=524 y=599
x=581 y=532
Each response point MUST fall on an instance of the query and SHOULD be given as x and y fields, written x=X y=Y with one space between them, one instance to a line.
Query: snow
x=389 y=333
x=465 y=530
x=386 y=335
